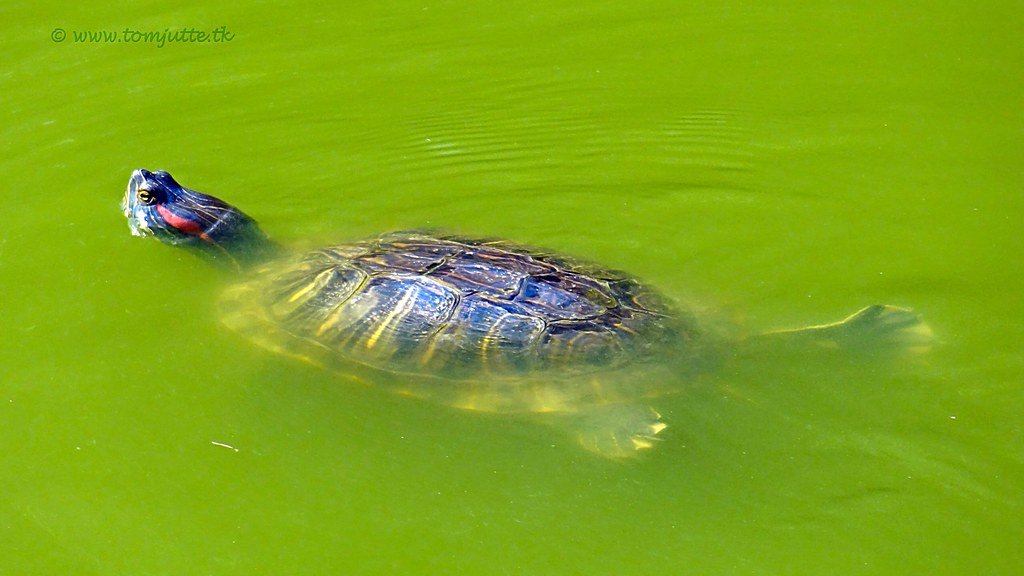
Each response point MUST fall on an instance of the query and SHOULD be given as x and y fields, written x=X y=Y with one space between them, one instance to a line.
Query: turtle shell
x=460 y=309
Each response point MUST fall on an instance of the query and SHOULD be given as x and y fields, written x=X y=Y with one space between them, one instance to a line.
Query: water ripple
x=703 y=148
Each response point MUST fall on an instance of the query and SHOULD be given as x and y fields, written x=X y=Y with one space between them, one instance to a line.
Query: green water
x=777 y=165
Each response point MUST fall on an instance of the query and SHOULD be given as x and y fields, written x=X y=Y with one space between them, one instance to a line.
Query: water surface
x=771 y=166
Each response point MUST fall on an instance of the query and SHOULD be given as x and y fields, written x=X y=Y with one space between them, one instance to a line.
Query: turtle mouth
x=138 y=222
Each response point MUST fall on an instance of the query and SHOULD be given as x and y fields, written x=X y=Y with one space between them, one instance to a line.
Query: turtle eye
x=145 y=196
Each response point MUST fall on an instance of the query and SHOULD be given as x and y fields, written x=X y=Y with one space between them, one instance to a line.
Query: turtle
x=472 y=323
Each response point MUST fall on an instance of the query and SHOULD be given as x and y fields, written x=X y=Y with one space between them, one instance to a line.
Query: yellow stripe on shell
x=485 y=343
x=318 y=280
x=428 y=354
x=390 y=318
x=339 y=310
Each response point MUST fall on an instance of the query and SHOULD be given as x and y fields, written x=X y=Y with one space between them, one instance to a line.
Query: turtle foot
x=618 y=431
x=876 y=329
x=882 y=328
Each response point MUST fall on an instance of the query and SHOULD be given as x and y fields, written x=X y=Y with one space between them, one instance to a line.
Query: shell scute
x=554 y=301
x=470 y=275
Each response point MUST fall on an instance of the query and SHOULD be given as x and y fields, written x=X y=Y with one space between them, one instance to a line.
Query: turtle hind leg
x=880 y=328
x=617 y=431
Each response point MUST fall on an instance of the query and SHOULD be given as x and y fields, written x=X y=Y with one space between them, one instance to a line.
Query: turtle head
x=155 y=204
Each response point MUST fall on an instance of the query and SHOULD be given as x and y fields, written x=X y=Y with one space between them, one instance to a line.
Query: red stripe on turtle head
x=190 y=227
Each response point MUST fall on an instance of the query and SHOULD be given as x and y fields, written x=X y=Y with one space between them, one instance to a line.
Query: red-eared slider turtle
x=479 y=325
